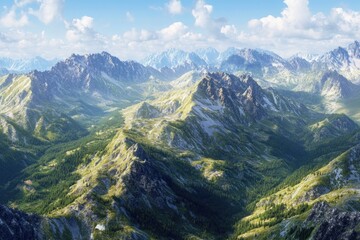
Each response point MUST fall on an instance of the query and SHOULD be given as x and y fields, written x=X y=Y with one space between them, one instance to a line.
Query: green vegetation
x=12 y=160
x=54 y=173
x=188 y=164
x=274 y=214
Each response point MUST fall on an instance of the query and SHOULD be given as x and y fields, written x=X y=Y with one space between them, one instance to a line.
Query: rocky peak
x=216 y=84
x=340 y=53
x=336 y=58
x=354 y=49
x=79 y=67
x=299 y=64
x=237 y=92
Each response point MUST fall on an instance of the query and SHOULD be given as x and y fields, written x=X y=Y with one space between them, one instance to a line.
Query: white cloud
x=17 y=43
x=294 y=17
x=11 y=20
x=22 y=3
x=229 y=31
x=174 y=31
x=203 y=19
x=135 y=35
x=294 y=29
x=18 y=15
x=83 y=38
x=202 y=14
x=83 y=24
x=129 y=17
x=296 y=21
x=48 y=10
x=347 y=21
x=175 y=7
x=297 y=29
x=80 y=29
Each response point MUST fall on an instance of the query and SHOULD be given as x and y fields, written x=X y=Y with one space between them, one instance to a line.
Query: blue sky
x=133 y=29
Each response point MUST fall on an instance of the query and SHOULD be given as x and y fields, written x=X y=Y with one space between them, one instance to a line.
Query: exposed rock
x=326 y=222
x=144 y=182
x=314 y=193
x=18 y=225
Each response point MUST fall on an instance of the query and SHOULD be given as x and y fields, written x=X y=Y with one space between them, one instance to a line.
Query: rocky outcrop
x=18 y=225
x=326 y=222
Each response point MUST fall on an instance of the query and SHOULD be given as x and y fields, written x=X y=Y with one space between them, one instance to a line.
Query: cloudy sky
x=133 y=29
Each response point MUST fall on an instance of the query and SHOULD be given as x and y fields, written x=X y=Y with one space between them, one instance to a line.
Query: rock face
x=18 y=225
x=325 y=222
x=335 y=86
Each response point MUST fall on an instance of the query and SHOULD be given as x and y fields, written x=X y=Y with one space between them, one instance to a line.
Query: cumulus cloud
x=174 y=7
x=297 y=21
x=136 y=35
x=83 y=38
x=298 y=29
x=295 y=17
x=229 y=31
x=12 y=20
x=346 y=21
x=48 y=10
x=18 y=15
x=203 y=19
x=202 y=14
x=174 y=31
x=17 y=43
x=80 y=29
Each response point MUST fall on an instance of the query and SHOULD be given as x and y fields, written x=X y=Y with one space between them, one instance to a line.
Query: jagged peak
x=229 y=80
x=354 y=44
x=354 y=49
x=339 y=50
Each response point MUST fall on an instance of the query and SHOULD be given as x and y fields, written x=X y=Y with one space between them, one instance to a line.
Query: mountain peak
x=104 y=53
x=354 y=49
x=175 y=60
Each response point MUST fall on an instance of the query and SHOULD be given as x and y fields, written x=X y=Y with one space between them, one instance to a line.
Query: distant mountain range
x=9 y=65
x=301 y=72
x=261 y=63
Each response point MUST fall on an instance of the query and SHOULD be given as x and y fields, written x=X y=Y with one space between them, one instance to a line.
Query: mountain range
x=261 y=63
x=9 y=65
x=299 y=73
x=239 y=144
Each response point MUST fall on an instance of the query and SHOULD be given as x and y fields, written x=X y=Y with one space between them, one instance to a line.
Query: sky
x=134 y=29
